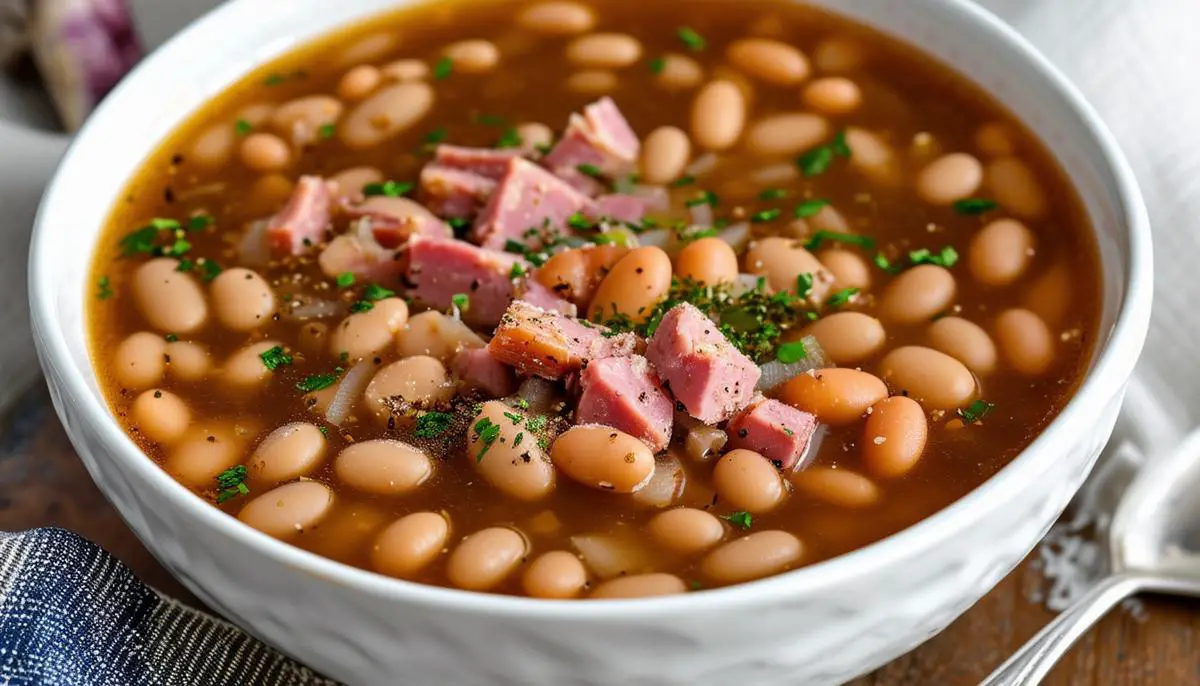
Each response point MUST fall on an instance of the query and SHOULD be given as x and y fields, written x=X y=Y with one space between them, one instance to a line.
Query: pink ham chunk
x=777 y=431
x=702 y=369
x=527 y=203
x=550 y=345
x=600 y=137
x=395 y=220
x=533 y=292
x=440 y=268
x=490 y=163
x=620 y=207
x=302 y=221
x=450 y=192
x=625 y=393
x=476 y=368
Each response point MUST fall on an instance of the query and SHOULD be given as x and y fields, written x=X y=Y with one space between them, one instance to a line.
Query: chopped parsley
x=486 y=433
x=536 y=423
x=208 y=269
x=459 y=225
x=243 y=127
x=170 y=338
x=375 y=292
x=514 y=418
x=816 y=161
x=326 y=131
x=443 y=68
x=590 y=170
x=389 y=189
x=820 y=237
x=517 y=271
x=435 y=136
x=316 y=382
x=510 y=139
x=275 y=358
x=324 y=430
x=461 y=301
x=946 y=257
x=361 y=306
x=704 y=198
x=231 y=483
x=804 y=284
x=276 y=78
x=741 y=520
x=345 y=279
x=199 y=222
x=791 y=352
x=695 y=233
x=692 y=40
x=433 y=424
x=657 y=65
x=772 y=194
x=975 y=411
x=105 y=288
x=683 y=181
x=885 y=264
x=578 y=222
x=841 y=297
x=809 y=208
x=766 y=215
x=974 y=206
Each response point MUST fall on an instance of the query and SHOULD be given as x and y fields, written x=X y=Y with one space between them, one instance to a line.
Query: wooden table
x=43 y=483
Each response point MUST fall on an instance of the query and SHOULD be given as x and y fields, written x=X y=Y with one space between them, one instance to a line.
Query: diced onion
x=701 y=214
x=776 y=372
x=813 y=447
x=736 y=235
x=702 y=443
x=701 y=165
x=253 y=250
x=665 y=486
x=349 y=390
x=658 y=238
x=611 y=555
x=784 y=172
x=656 y=198
x=539 y=393
x=744 y=284
x=314 y=309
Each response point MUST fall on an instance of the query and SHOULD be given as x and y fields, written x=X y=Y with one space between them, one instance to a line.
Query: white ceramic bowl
x=823 y=624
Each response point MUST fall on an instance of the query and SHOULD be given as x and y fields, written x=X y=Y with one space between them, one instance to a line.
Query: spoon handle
x=1029 y=665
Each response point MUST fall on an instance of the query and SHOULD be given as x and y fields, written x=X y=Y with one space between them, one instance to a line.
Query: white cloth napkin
x=1134 y=59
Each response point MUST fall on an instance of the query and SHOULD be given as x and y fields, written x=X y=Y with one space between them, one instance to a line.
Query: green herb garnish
x=975 y=411
x=316 y=382
x=974 y=206
x=345 y=279
x=361 y=306
x=657 y=65
x=231 y=483
x=841 y=297
x=772 y=194
x=590 y=170
x=804 y=284
x=170 y=338
x=946 y=257
x=275 y=358
x=461 y=301
x=820 y=237
x=443 y=68
x=433 y=424
x=816 y=161
x=389 y=189
x=199 y=222
x=809 y=208
x=791 y=352
x=105 y=288
x=704 y=198
x=242 y=127
x=326 y=131
x=516 y=271
x=766 y=215
x=486 y=432
x=435 y=136
x=741 y=520
x=692 y=40
x=683 y=181
x=375 y=292
x=510 y=139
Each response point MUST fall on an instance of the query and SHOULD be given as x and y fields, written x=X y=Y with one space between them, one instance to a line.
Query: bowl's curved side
x=822 y=624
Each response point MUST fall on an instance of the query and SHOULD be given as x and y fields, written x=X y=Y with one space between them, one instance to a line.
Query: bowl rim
x=1113 y=366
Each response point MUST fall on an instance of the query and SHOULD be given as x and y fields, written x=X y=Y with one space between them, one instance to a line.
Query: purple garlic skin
x=82 y=48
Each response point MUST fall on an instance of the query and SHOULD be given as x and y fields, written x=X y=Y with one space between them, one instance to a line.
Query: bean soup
x=600 y=300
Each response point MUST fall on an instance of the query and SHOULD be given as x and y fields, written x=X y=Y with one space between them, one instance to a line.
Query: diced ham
x=440 y=268
x=476 y=368
x=528 y=200
x=450 y=192
x=625 y=393
x=620 y=207
x=490 y=163
x=368 y=262
x=302 y=221
x=550 y=345
x=589 y=186
x=395 y=220
x=533 y=292
x=600 y=137
x=711 y=378
x=775 y=430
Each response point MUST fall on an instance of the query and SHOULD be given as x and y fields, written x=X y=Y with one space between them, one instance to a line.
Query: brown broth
x=905 y=94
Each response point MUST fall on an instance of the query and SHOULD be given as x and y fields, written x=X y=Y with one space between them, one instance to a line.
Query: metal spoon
x=1154 y=543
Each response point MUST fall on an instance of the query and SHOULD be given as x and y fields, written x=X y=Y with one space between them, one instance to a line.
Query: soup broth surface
x=846 y=173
